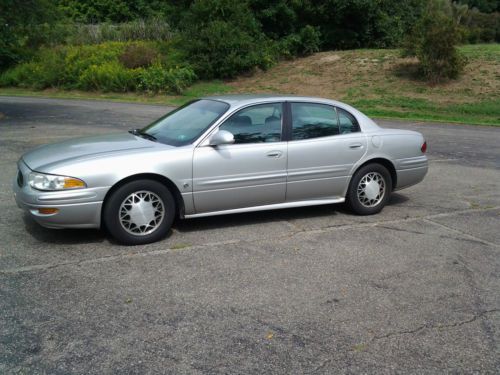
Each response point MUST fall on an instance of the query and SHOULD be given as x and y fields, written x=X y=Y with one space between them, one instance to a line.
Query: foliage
x=98 y=67
x=19 y=31
x=303 y=43
x=141 y=29
x=434 y=39
x=222 y=39
x=95 y=11
x=480 y=27
x=109 y=76
x=138 y=55
x=485 y=6
x=216 y=38
x=342 y=23
x=159 y=79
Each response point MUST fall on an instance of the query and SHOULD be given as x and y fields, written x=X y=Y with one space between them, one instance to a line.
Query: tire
x=139 y=212
x=369 y=189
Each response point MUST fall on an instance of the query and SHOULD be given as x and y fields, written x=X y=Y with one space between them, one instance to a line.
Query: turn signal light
x=71 y=183
x=47 y=211
x=424 y=147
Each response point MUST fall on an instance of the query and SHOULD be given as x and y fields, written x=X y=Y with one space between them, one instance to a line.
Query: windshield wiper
x=142 y=134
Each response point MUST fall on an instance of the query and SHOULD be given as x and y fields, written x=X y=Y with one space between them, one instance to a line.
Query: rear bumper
x=411 y=172
x=75 y=208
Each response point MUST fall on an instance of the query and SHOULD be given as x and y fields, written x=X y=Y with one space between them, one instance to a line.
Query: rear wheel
x=369 y=189
x=139 y=212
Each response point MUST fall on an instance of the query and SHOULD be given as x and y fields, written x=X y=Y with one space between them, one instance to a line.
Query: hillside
x=377 y=81
x=382 y=83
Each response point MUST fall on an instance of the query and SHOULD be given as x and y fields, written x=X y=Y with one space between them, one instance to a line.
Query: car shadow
x=258 y=217
x=93 y=236
x=397 y=198
x=262 y=217
x=62 y=236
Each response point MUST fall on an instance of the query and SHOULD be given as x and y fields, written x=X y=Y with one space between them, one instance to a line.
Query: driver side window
x=256 y=124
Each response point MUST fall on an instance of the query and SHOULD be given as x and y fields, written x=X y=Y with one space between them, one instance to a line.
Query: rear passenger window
x=347 y=122
x=256 y=124
x=311 y=120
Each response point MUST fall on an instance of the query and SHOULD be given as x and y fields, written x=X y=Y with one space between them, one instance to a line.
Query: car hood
x=43 y=157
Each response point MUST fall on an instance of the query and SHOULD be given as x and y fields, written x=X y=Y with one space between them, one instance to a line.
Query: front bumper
x=80 y=208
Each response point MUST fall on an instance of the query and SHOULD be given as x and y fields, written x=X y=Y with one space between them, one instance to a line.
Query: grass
x=383 y=84
x=378 y=82
x=195 y=91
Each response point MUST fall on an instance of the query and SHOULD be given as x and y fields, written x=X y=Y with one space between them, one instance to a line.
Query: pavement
x=316 y=290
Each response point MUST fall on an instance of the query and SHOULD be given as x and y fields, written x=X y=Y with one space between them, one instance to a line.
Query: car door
x=250 y=172
x=325 y=144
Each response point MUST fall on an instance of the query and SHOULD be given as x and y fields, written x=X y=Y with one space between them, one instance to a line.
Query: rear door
x=250 y=172
x=325 y=144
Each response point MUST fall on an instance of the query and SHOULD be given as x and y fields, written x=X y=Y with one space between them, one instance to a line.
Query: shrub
x=221 y=50
x=434 y=40
x=138 y=55
x=222 y=38
x=159 y=79
x=110 y=76
x=45 y=71
x=98 y=67
x=80 y=58
x=149 y=29
x=303 y=43
x=22 y=26
x=481 y=27
x=22 y=75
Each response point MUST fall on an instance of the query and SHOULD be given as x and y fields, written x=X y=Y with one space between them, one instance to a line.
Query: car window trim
x=350 y=114
x=290 y=135
x=202 y=141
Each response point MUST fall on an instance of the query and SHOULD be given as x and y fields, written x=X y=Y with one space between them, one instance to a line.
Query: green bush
x=22 y=75
x=221 y=50
x=110 y=76
x=159 y=79
x=433 y=41
x=23 y=26
x=303 y=43
x=222 y=38
x=481 y=27
x=45 y=71
x=80 y=58
x=112 y=66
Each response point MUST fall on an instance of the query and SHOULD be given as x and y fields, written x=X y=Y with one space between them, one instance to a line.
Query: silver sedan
x=219 y=155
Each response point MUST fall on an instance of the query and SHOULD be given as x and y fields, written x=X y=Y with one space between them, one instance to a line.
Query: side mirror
x=222 y=137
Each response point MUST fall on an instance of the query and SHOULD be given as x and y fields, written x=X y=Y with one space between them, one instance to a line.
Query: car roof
x=244 y=99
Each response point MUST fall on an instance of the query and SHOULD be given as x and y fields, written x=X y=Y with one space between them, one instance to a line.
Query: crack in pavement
x=481 y=314
x=470 y=236
x=298 y=231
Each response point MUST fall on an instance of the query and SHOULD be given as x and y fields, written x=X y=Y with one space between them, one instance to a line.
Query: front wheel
x=369 y=189
x=139 y=212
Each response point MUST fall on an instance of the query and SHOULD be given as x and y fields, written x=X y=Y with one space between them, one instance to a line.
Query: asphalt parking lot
x=312 y=290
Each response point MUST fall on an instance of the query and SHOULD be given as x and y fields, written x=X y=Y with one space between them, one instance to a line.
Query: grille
x=20 y=179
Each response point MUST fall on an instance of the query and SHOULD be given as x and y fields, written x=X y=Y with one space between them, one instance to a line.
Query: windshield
x=185 y=124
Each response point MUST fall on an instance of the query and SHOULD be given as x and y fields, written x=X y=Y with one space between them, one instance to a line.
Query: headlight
x=41 y=181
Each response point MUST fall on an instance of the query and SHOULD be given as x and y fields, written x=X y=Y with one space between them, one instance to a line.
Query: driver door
x=251 y=171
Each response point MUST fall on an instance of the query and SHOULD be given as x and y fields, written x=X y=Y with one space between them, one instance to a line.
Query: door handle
x=274 y=154
x=355 y=145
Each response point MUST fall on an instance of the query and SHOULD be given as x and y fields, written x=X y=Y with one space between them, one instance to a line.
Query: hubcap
x=371 y=189
x=141 y=213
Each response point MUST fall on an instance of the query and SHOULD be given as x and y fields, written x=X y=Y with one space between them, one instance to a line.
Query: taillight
x=424 y=147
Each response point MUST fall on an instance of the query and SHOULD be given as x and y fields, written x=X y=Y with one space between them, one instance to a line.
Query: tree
x=434 y=39
x=20 y=24
x=485 y=6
